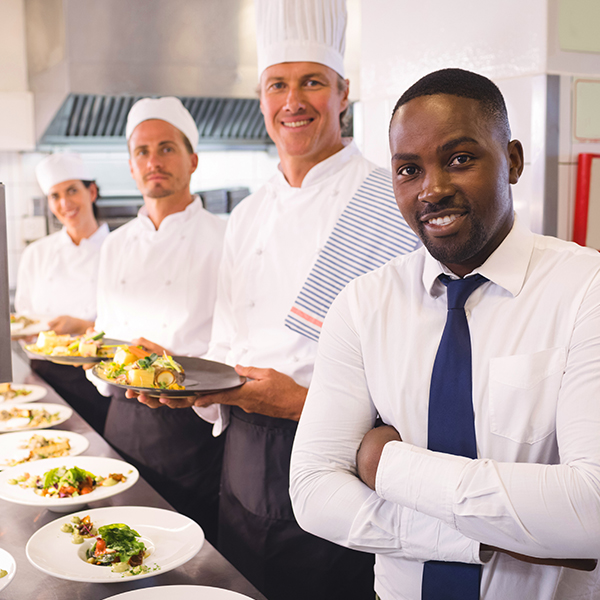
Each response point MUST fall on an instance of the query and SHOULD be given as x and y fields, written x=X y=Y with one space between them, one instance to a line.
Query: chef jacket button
x=122 y=282
x=295 y=359
x=164 y=325
x=259 y=251
x=168 y=282
x=251 y=304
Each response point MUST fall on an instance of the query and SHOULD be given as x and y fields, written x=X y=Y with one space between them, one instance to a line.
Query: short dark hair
x=464 y=84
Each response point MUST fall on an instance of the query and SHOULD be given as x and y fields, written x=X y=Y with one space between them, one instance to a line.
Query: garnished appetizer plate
x=20 y=393
x=197 y=377
x=8 y=568
x=25 y=417
x=166 y=540
x=23 y=447
x=67 y=483
x=26 y=325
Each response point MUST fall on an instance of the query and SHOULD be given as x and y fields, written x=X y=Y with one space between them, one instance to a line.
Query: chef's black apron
x=72 y=385
x=175 y=452
x=257 y=530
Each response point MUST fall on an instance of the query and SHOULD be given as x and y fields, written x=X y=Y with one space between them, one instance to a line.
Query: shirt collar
x=326 y=168
x=96 y=238
x=174 y=219
x=506 y=267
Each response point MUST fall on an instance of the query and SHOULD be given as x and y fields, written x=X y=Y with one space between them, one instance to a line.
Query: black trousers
x=76 y=389
x=175 y=452
x=257 y=530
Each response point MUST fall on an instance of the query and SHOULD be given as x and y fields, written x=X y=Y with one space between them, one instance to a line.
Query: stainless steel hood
x=99 y=120
x=89 y=60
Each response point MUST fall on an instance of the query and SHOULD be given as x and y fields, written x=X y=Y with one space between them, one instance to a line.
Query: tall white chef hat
x=301 y=31
x=169 y=109
x=61 y=167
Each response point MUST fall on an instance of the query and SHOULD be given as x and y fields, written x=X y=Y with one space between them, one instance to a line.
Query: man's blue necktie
x=451 y=428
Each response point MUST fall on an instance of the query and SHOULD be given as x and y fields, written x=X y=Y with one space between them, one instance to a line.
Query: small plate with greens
x=66 y=483
x=8 y=568
x=113 y=544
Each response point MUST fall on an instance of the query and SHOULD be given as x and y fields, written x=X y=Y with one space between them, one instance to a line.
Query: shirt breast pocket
x=523 y=394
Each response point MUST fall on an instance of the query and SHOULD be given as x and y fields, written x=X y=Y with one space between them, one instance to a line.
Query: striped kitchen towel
x=369 y=232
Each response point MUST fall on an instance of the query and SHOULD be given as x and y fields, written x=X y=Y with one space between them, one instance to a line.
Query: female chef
x=57 y=275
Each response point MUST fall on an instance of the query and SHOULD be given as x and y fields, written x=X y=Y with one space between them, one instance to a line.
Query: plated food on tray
x=64 y=349
x=135 y=368
x=24 y=447
x=18 y=417
x=20 y=392
x=105 y=545
x=61 y=484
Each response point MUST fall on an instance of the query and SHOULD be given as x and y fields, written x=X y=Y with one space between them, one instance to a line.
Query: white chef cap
x=301 y=31
x=169 y=109
x=61 y=167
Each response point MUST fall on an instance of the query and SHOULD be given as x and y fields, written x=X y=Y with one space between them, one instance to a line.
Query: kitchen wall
x=519 y=46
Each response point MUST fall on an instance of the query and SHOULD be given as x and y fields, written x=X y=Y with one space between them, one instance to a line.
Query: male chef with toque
x=157 y=281
x=289 y=248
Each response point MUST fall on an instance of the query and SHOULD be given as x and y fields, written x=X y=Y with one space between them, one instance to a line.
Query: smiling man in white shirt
x=158 y=282
x=532 y=488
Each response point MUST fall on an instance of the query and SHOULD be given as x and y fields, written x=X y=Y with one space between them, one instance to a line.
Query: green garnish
x=145 y=363
x=122 y=539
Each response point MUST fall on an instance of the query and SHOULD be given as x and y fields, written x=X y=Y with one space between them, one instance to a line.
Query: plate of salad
x=135 y=368
x=113 y=544
x=20 y=393
x=21 y=417
x=8 y=568
x=27 y=446
x=67 y=483
x=67 y=350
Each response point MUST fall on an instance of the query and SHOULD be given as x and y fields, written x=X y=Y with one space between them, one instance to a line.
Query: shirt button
x=168 y=282
x=295 y=359
x=251 y=304
x=164 y=325
x=259 y=251
x=122 y=282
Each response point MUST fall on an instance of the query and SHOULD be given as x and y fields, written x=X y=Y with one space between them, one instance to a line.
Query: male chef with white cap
x=278 y=267
x=58 y=274
x=157 y=281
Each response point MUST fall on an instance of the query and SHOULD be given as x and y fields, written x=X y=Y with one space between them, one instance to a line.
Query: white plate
x=10 y=444
x=175 y=538
x=64 y=413
x=7 y=562
x=37 y=393
x=180 y=592
x=94 y=464
x=17 y=329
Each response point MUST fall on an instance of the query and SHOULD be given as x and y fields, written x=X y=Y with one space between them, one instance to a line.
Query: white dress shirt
x=272 y=241
x=58 y=277
x=534 y=488
x=161 y=284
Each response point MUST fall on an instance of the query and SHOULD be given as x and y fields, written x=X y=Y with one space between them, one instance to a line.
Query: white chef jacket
x=58 y=277
x=272 y=241
x=534 y=488
x=161 y=284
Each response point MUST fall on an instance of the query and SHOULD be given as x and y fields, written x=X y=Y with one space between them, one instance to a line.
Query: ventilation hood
x=89 y=60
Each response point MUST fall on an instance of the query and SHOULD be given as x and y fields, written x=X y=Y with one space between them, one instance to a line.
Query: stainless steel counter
x=18 y=523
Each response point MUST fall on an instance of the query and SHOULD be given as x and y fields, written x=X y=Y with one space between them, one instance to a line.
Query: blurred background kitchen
x=71 y=69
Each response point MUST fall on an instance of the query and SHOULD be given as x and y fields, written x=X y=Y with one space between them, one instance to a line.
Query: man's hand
x=65 y=324
x=268 y=392
x=369 y=452
x=150 y=346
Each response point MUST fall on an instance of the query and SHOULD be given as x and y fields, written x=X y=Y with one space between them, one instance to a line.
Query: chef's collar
x=174 y=219
x=506 y=267
x=96 y=238
x=326 y=168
